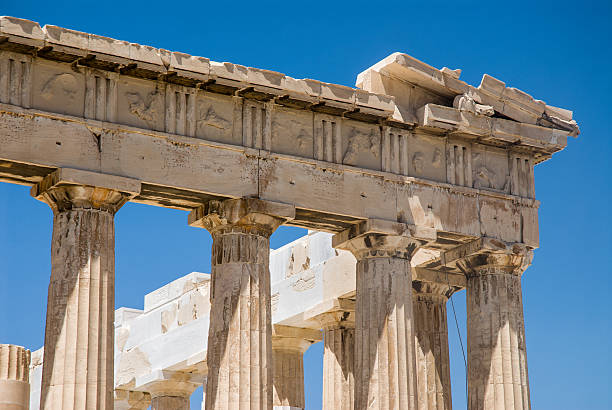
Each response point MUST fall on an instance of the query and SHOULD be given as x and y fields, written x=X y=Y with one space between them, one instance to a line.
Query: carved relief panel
x=327 y=138
x=257 y=124
x=217 y=116
x=427 y=157
x=292 y=132
x=490 y=168
x=361 y=144
x=100 y=95
x=395 y=151
x=180 y=110
x=15 y=79
x=459 y=163
x=521 y=175
x=141 y=103
x=58 y=88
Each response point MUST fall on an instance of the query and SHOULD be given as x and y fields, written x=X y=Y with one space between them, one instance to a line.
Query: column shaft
x=384 y=339
x=170 y=403
x=431 y=338
x=239 y=338
x=338 y=362
x=78 y=363
x=14 y=378
x=288 y=379
x=239 y=356
x=497 y=358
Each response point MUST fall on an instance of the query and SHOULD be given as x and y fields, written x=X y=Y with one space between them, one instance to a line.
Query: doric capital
x=379 y=238
x=430 y=291
x=294 y=339
x=66 y=189
x=244 y=215
x=513 y=262
x=337 y=320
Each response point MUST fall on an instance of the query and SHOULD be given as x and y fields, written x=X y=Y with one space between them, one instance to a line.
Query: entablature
x=192 y=130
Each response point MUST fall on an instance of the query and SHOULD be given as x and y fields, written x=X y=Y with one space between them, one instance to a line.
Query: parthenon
x=413 y=186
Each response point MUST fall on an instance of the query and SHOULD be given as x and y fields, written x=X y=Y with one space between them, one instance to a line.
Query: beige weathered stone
x=288 y=347
x=385 y=363
x=78 y=361
x=239 y=355
x=14 y=377
x=338 y=360
x=431 y=338
x=496 y=351
x=131 y=400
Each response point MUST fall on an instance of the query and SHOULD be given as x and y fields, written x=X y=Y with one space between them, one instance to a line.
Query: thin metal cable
x=450 y=288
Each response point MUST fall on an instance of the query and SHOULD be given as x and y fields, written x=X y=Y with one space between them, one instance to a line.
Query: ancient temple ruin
x=422 y=184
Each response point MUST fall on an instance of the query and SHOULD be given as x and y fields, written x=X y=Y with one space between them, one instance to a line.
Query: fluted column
x=78 y=360
x=497 y=358
x=431 y=338
x=384 y=340
x=338 y=360
x=239 y=356
x=14 y=377
x=288 y=347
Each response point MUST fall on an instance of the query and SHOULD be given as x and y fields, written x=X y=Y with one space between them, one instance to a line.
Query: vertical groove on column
x=338 y=361
x=384 y=300
x=78 y=365
x=288 y=379
x=497 y=365
x=431 y=339
x=14 y=377
x=239 y=358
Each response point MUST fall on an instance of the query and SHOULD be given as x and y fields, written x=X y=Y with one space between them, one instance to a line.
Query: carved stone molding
x=247 y=215
x=377 y=238
x=67 y=189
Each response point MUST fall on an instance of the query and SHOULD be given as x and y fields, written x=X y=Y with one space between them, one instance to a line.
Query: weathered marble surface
x=14 y=377
x=431 y=340
x=413 y=144
x=385 y=362
x=78 y=365
x=496 y=349
x=338 y=360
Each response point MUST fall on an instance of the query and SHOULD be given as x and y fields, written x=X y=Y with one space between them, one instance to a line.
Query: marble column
x=79 y=333
x=431 y=338
x=239 y=356
x=338 y=360
x=288 y=347
x=14 y=377
x=385 y=364
x=496 y=353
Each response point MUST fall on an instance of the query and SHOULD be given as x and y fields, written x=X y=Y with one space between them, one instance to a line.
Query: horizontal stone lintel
x=182 y=172
x=455 y=280
x=282 y=331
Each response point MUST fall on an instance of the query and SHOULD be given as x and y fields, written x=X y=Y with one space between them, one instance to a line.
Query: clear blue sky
x=557 y=51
